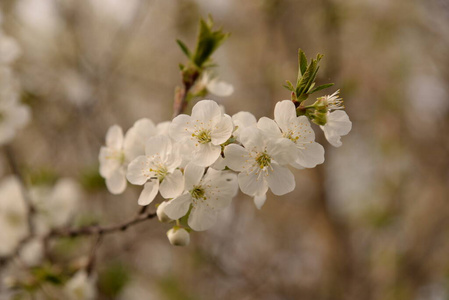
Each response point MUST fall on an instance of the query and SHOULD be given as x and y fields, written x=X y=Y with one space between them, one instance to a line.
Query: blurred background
x=372 y=222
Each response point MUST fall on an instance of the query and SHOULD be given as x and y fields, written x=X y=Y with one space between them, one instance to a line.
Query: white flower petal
x=280 y=180
x=114 y=137
x=259 y=201
x=269 y=127
x=236 y=157
x=338 y=124
x=180 y=128
x=192 y=174
x=310 y=156
x=222 y=131
x=116 y=182
x=243 y=120
x=284 y=112
x=206 y=110
x=206 y=154
x=220 y=88
x=202 y=218
x=252 y=184
x=159 y=145
x=178 y=207
x=149 y=192
x=172 y=185
x=253 y=139
x=136 y=138
x=107 y=164
x=138 y=172
x=219 y=164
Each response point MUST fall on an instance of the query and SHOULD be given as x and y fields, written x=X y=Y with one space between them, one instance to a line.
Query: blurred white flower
x=32 y=252
x=13 y=116
x=122 y=12
x=208 y=194
x=55 y=206
x=203 y=132
x=39 y=16
x=77 y=89
x=215 y=86
x=338 y=124
x=81 y=287
x=9 y=49
x=119 y=151
x=13 y=215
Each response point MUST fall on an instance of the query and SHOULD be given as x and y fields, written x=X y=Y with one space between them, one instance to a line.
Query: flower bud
x=161 y=213
x=178 y=236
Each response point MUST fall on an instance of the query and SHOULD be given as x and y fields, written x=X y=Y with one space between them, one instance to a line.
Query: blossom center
x=160 y=172
x=263 y=160
x=203 y=136
x=290 y=135
x=117 y=155
x=198 y=193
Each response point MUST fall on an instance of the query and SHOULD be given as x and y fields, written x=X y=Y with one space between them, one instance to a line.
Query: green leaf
x=321 y=87
x=302 y=61
x=303 y=84
x=184 y=48
x=208 y=41
x=289 y=86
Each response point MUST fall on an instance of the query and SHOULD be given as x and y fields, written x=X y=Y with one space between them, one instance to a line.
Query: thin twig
x=94 y=229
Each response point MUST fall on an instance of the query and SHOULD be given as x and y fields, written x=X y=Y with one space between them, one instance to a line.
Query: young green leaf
x=302 y=61
x=321 y=87
x=184 y=48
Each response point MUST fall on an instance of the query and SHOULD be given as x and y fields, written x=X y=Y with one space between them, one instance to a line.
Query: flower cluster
x=198 y=162
x=54 y=207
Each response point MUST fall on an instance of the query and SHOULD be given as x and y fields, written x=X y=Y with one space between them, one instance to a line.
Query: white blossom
x=297 y=132
x=81 y=287
x=9 y=49
x=112 y=161
x=337 y=125
x=13 y=114
x=215 y=86
x=207 y=194
x=203 y=132
x=120 y=150
x=259 y=163
x=157 y=170
x=55 y=206
x=13 y=215
x=32 y=253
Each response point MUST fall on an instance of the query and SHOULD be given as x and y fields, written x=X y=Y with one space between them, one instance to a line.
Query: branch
x=99 y=230
x=180 y=102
